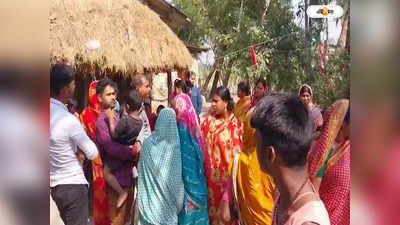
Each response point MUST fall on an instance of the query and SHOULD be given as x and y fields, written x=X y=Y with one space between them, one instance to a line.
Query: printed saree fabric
x=224 y=140
x=194 y=156
x=329 y=165
x=242 y=107
x=88 y=118
x=255 y=189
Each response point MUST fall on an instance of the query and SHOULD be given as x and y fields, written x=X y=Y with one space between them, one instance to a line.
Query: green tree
x=281 y=45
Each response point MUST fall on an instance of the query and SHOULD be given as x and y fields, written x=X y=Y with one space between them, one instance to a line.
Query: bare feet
x=122 y=198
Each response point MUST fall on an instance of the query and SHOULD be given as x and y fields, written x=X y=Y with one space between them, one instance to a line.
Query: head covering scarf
x=315 y=112
x=308 y=86
x=333 y=120
x=329 y=165
x=186 y=116
x=160 y=187
x=89 y=115
x=88 y=118
x=194 y=154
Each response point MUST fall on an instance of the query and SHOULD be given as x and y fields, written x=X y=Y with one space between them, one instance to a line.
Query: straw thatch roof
x=107 y=36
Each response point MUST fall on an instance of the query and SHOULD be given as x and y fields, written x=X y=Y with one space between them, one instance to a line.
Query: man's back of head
x=61 y=75
x=282 y=122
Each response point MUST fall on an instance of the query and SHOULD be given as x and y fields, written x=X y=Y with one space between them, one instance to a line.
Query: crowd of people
x=270 y=158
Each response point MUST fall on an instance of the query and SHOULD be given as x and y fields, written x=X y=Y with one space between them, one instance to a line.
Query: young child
x=125 y=132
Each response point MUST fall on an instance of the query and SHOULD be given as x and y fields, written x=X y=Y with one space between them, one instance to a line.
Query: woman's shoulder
x=316 y=108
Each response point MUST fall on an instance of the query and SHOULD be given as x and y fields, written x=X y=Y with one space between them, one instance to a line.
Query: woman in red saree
x=329 y=163
x=223 y=133
x=88 y=118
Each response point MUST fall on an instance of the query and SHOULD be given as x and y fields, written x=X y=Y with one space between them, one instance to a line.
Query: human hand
x=224 y=212
x=110 y=114
x=138 y=146
x=81 y=157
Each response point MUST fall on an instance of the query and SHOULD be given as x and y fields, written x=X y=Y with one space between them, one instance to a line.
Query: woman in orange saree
x=88 y=118
x=223 y=133
x=329 y=163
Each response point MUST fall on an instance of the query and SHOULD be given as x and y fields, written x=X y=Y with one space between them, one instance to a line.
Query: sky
x=333 y=28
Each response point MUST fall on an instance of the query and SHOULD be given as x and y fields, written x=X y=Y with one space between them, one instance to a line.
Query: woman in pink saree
x=195 y=163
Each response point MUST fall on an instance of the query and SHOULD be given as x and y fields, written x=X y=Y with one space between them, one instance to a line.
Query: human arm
x=227 y=200
x=79 y=137
x=319 y=121
x=111 y=122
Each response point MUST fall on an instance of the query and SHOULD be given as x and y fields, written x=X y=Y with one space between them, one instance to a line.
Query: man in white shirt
x=68 y=185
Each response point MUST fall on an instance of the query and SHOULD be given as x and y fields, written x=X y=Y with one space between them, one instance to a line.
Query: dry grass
x=133 y=39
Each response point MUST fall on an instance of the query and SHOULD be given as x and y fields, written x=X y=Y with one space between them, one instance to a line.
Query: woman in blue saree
x=195 y=163
x=160 y=184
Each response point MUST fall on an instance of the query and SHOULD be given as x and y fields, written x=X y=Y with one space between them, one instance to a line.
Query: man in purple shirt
x=119 y=158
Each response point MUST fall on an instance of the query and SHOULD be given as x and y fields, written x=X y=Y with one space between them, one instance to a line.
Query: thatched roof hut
x=110 y=37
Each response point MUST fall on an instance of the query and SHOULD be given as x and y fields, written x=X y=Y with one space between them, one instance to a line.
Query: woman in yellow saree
x=252 y=190
x=243 y=105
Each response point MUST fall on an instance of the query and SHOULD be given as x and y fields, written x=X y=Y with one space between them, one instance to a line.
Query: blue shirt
x=196 y=99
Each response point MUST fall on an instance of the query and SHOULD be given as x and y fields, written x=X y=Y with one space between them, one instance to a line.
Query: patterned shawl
x=160 y=184
x=329 y=165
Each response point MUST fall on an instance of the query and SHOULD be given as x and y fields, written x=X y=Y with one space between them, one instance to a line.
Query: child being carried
x=125 y=132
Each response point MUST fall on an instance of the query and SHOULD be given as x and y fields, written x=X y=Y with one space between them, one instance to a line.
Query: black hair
x=103 y=83
x=159 y=108
x=182 y=85
x=347 y=117
x=284 y=123
x=134 y=100
x=61 y=75
x=262 y=81
x=244 y=87
x=225 y=95
x=188 y=75
x=189 y=84
x=305 y=89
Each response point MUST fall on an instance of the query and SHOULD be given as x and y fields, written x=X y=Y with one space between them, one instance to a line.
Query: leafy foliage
x=231 y=26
